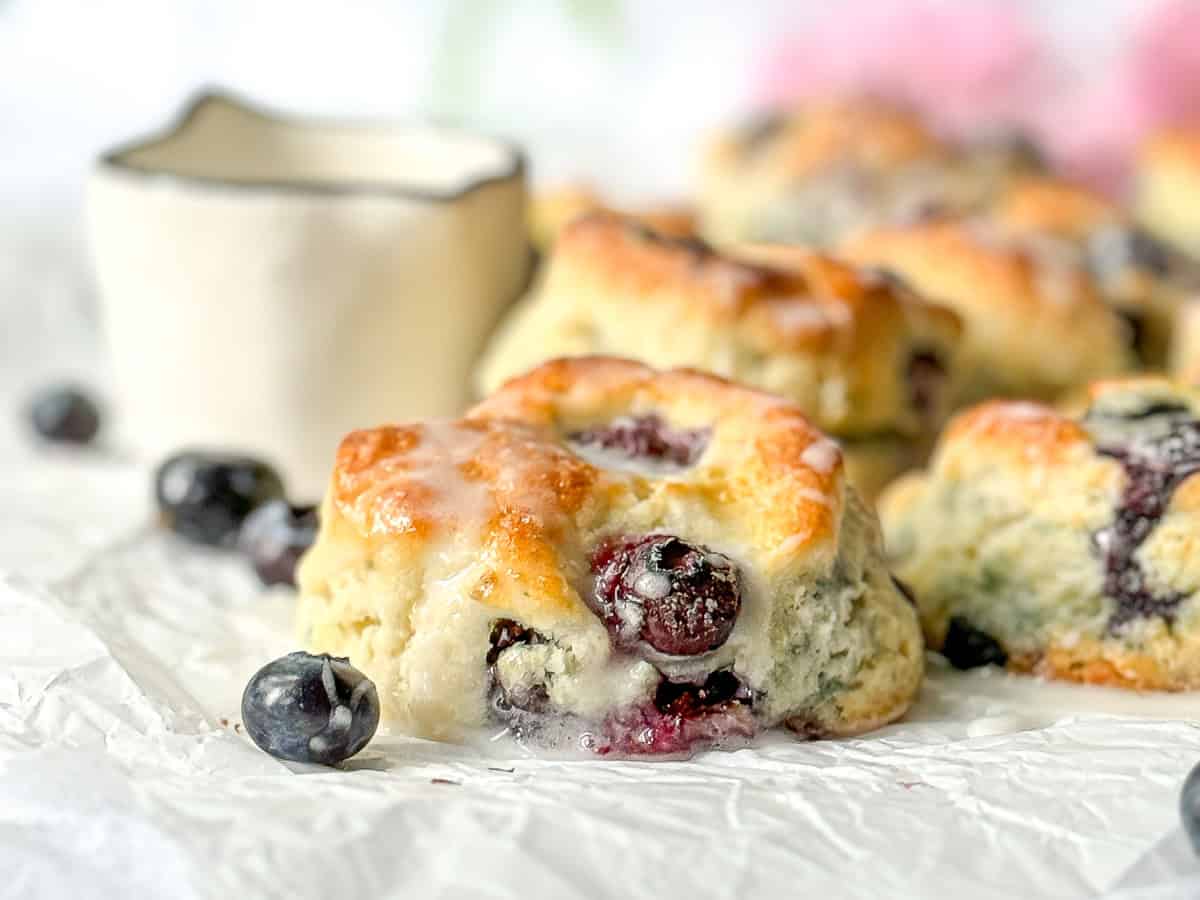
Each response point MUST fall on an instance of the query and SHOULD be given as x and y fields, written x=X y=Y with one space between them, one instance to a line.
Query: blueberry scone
x=866 y=359
x=821 y=172
x=1035 y=324
x=606 y=555
x=1167 y=188
x=1065 y=546
x=816 y=173
x=1140 y=277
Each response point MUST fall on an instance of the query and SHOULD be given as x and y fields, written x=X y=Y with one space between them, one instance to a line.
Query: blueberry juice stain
x=1154 y=468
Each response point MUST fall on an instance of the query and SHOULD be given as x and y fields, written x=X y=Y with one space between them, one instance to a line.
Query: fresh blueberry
x=205 y=497
x=1189 y=807
x=275 y=536
x=679 y=598
x=65 y=415
x=646 y=437
x=310 y=708
x=967 y=647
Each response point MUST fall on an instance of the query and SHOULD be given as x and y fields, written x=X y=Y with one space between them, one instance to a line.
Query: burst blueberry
x=65 y=415
x=679 y=598
x=1154 y=467
x=206 y=497
x=310 y=708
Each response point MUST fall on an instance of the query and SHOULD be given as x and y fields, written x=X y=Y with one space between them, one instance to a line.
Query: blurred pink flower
x=970 y=66
x=1164 y=64
x=966 y=65
x=1154 y=83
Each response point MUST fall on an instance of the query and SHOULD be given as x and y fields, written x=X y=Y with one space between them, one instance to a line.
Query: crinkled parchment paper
x=124 y=772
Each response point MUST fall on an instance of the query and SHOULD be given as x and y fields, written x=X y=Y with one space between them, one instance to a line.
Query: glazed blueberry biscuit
x=817 y=173
x=1167 y=188
x=867 y=360
x=822 y=172
x=641 y=561
x=1140 y=277
x=1065 y=546
x=1035 y=325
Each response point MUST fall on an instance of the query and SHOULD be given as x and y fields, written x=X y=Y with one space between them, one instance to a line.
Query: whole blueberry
x=275 y=536
x=64 y=415
x=205 y=497
x=968 y=647
x=679 y=598
x=310 y=708
x=1189 y=807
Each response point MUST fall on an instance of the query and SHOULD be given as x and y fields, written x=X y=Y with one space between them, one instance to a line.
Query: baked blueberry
x=679 y=598
x=64 y=415
x=1189 y=807
x=205 y=497
x=967 y=647
x=275 y=536
x=683 y=717
x=646 y=438
x=310 y=708
x=1154 y=467
x=529 y=697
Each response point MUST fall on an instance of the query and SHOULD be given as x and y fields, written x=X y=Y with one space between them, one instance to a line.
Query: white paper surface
x=122 y=659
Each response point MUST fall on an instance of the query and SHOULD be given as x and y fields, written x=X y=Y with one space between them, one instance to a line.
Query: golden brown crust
x=1035 y=324
x=553 y=209
x=1176 y=147
x=785 y=297
x=1047 y=205
x=860 y=130
x=1017 y=427
x=1094 y=662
